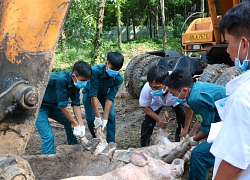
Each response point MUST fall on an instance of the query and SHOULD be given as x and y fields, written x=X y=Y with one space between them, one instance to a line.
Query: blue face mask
x=244 y=65
x=157 y=92
x=176 y=99
x=80 y=84
x=112 y=73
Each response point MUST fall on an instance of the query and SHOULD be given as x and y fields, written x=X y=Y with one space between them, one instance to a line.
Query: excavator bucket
x=29 y=31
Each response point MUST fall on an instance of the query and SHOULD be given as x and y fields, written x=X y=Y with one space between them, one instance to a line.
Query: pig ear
x=138 y=158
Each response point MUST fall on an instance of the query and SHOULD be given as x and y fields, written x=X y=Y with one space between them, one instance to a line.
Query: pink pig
x=141 y=167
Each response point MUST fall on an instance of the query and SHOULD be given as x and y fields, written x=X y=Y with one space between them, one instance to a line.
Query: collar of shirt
x=69 y=79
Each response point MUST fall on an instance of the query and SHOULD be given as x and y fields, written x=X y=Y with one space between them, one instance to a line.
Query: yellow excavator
x=29 y=31
x=208 y=61
x=203 y=33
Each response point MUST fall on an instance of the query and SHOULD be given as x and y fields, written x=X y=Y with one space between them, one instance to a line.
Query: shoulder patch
x=199 y=118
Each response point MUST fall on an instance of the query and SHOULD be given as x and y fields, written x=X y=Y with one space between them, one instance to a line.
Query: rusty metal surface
x=29 y=31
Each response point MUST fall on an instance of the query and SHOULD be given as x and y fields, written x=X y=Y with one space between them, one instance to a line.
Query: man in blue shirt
x=200 y=97
x=102 y=87
x=61 y=87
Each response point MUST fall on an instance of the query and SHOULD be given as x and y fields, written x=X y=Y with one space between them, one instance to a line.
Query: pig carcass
x=163 y=148
x=143 y=167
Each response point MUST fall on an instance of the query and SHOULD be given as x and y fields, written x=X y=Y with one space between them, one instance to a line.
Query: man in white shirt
x=153 y=97
x=231 y=147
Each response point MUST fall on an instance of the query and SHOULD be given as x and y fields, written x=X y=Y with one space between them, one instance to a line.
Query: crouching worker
x=153 y=97
x=201 y=97
x=102 y=87
x=61 y=87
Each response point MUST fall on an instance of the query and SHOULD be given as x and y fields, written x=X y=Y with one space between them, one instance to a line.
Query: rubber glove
x=98 y=122
x=82 y=131
x=193 y=142
x=104 y=123
x=77 y=131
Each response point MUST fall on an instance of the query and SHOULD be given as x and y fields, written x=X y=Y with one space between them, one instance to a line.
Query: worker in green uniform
x=102 y=87
x=200 y=97
x=61 y=87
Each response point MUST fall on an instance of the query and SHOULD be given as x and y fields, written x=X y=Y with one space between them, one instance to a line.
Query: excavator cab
x=203 y=33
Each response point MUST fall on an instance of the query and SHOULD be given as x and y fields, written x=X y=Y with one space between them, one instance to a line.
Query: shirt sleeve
x=61 y=92
x=205 y=112
x=75 y=97
x=114 y=89
x=93 y=82
x=145 y=96
x=233 y=141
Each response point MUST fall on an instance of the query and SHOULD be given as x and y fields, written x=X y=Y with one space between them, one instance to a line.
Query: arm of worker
x=78 y=114
x=226 y=171
x=95 y=105
x=108 y=105
x=69 y=116
x=149 y=111
x=200 y=136
x=188 y=119
x=196 y=128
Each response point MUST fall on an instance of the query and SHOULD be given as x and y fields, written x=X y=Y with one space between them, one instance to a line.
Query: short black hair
x=157 y=74
x=179 y=79
x=82 y=68
x=116 y=59
x=237 y=21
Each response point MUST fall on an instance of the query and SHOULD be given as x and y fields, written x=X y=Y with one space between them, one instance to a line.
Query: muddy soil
x=129 y=118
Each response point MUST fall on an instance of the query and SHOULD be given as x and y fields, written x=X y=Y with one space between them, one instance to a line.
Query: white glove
x=98 y=122
x=104 y=123
x=82 y=131
x=193 y=142
x=77 y=131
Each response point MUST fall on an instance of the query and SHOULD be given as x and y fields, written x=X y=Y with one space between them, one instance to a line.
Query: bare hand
x=183 y=133
x=162 y=124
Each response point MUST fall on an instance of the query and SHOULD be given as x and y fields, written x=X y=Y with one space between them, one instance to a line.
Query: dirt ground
x=129 y=118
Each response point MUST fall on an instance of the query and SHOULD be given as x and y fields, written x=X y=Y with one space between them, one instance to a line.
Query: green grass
x=65 y=60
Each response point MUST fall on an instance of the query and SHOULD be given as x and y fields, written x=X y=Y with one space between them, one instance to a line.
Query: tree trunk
x=150 y=24
x=202 y=8
x=134 y=33
x=119 y=27
x=163 y=25
x=156 y=22
x=98 y=35
x=63 y=42
x=127 y=28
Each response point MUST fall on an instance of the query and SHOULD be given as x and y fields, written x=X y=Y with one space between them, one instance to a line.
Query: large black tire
x=212 y=72
x=128 y=77
x=228 y=75
x=141 y=71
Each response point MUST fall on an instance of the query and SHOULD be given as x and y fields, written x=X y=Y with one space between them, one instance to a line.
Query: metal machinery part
x=29 y=31
x=203 y=37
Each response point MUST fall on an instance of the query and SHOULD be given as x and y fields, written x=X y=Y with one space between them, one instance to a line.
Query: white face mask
x=244 y=65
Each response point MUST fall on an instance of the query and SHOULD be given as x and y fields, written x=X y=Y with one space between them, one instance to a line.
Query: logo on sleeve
x=199 y=118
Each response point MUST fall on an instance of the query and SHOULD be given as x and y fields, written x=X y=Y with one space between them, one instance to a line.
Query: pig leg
x=178 y=151
x=102 y=145
x=109 y=150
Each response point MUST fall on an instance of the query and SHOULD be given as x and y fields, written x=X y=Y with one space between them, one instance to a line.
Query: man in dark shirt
x=61 y=87
x=102 y=87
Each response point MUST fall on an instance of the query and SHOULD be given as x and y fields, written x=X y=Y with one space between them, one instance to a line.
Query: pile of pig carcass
x=164 y=160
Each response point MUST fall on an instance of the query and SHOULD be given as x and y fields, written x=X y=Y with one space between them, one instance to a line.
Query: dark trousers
x=90 y=117
x=200 y=161
x=148 y=125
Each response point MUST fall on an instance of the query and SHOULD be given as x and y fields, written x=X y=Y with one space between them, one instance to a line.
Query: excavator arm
x=29 y=31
